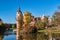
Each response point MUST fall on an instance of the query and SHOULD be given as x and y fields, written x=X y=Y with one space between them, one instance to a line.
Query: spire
x=19 y=7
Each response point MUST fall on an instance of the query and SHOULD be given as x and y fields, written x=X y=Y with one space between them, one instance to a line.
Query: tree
x=40 y=25
x=2 y=29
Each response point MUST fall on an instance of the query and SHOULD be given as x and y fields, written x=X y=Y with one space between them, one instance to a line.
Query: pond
x=38 y=36
x=9 y=37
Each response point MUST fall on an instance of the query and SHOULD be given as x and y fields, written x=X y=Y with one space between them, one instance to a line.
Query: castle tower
x=19 y=21
x=50 y=20
x=42 y=18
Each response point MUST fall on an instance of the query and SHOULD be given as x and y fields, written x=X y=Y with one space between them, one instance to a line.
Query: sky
x=8 y=8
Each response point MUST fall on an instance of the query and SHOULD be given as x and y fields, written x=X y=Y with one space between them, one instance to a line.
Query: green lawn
x=49 y=31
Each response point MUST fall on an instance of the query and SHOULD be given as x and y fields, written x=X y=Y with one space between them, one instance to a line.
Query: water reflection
x=56 y=36
x=30 y=36
x=42 y=36
x=1 y=37
x=9 y=37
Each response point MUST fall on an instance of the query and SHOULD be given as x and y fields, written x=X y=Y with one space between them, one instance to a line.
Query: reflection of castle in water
x=28 y=37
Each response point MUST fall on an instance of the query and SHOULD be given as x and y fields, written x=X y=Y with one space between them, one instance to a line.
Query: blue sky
x=8 y=8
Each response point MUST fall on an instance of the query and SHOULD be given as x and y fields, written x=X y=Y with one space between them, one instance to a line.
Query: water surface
x=38 y=36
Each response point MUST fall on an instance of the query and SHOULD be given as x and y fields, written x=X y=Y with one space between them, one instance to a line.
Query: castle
x=27 y=21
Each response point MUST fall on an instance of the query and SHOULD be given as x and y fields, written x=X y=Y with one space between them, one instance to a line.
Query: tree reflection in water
x=1 y=37
x=42 y=36
x=38 y=36
x=28 y=37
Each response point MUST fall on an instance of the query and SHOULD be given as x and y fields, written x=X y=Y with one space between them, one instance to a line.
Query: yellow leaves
x=27 y=18
x=1 y=23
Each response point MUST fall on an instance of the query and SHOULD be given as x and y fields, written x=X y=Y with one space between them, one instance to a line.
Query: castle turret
x=42 y=18
x=50 y=20
x=19 y=15
x=19 y=21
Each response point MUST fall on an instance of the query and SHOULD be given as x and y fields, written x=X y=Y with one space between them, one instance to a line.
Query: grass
x=49 y=31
